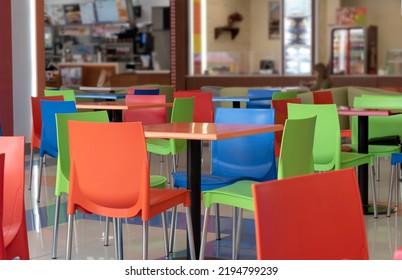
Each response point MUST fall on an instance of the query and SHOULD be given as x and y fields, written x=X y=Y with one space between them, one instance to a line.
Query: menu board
x=55 y=14
x=111 y=10
x=87 y=13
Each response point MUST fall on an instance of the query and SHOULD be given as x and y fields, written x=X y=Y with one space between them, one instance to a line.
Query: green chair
x=182 y=111
x=63 y=163
x=68 y=94
x=284 y=95
x=379 y=126
x=296 y=158
x=327 y=141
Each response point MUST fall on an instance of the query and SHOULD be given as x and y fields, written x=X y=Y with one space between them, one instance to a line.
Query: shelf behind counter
x=109 y=74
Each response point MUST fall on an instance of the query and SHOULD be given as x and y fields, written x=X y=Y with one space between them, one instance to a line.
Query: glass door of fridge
x=339 y=47
x=357 y=51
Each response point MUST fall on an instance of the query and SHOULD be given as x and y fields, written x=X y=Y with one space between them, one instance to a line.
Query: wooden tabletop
x=116 y=105
x=206 y=131
x=350 y=111
x=240 y=98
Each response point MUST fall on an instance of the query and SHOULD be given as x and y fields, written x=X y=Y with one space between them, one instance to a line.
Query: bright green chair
x=63 y=163
x=182 y=111
x=68 y=94
x=379 y=126
x=327 y=141
x=296 y=158
x=284 y=95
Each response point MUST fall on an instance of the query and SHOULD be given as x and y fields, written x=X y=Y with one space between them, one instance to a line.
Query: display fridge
x=353 y=50
x=297 y=39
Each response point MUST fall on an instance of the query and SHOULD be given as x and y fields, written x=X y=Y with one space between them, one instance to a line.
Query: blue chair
x=1 y=130
x=144 y=91
x=396 y=160
x=260 y=93
x=48 y=145
x=242 y=158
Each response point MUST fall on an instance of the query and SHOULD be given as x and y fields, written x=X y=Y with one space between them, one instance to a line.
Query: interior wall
x=387 y=17
x=261 y=46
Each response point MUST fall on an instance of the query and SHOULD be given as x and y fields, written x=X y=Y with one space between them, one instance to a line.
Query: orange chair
x=203 y=105
x=99 y=186
x=281 y=114
x=2 y=248
x=325 y=97
x=14 y=222
x=393 y=89
x=36 y=130
x=311 y=217
x=146 y=116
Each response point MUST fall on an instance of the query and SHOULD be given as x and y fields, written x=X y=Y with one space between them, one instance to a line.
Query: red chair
x=398 y=254
x=14 y=222
x=2 y=247
x=325 y=97
x=36 y=130
x=143 y=91
x=203 y=105
x=281 y=114
x=146 y=116
x=311 y=217
x=99 y=186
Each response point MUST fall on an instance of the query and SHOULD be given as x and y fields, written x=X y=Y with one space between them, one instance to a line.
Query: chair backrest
x=49 y=109
x=249 y=156
x=2 y=247
x=92 y=188
x=312 y=217
x=36 y=130
x=182 y=111
x=143 y=91
x=284 y=95
x=296 y=157
x=1 y=130
x=14 y=221
x=327 y=144
x=146 y=116
x=397 y=254
x=322 y=97
x=68 y=94
x=281 y=115
x=379 y=126
x=63 y=159
x=260 y=93
x=203 y=105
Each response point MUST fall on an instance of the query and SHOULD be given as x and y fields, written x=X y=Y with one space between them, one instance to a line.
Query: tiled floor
x=383 y=234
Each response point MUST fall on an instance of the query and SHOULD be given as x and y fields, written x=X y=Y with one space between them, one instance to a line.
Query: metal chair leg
x=39 y=179
x=69 y=236
x=391 y=181
x=165 y=234
x=373 y=190
x=144 y=240
x=204 y=232
x=377 y=172
x=119 y=239
x=173 y=229
x=30 y=169
x=217 y=222
x=234 y=227
x=106 y=235
x=190 y=233
x=398 y=174
x=56 y=226
x=238 y=232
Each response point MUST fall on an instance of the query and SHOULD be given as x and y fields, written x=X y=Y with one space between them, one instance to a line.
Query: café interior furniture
x=68 y=94
x=296 y=158
x=288 y=225
x=14 y=225
x=147 y=115
x=131 y=196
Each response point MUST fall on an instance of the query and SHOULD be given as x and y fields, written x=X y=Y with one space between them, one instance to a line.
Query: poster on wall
x=351 y=16
x=274 y=20
x=55 y=14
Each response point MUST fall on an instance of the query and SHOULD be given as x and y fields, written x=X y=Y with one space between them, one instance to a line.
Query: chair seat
x=379 y=150
x=208 y=181
x=159 y=146
x=238 y=195
x=161 y=200
x=355 y=159
x=157 y=181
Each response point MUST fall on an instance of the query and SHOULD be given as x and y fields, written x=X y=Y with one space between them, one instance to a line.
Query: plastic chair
x=2 y=247
x=327 y=141
x=281 y=114
x=311 y=217
x=48 y=145
x=284 y=95
x=1 y=130
x=203 y=105
x=146 y=116
x=14 y=222
x=260 y=93
x=36 y=129
x=143 y=91
x=296 y=158
x=92 y=188
x=325 y=97
x=398 y=254
x=379 y=126
x=68 y=94
x=396 y=160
